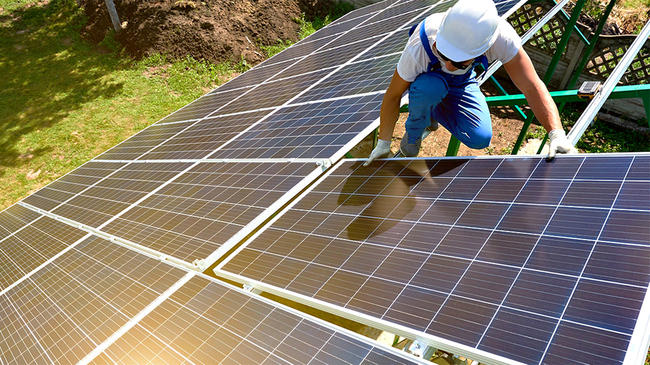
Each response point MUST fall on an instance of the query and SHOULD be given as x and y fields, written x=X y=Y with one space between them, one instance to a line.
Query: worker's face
x=455 y=65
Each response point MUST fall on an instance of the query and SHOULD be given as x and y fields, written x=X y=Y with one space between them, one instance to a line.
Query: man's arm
x=390 y=106
x=388 y=116
x=523 y=74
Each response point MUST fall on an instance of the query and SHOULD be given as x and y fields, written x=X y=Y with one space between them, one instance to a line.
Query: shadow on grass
x=47 y=72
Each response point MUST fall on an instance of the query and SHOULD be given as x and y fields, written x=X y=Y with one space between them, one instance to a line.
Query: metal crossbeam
x=596 y=104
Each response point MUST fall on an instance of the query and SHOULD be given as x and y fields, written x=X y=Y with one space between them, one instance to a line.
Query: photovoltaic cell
x=505 y=6
x=231 y=327
x=327 y=58
x=257 y=74
x=30 y=247
x=274 y=93
x=69 y=185
x=356 y=78
x=316 y=130
x=112 y=195
x=205 y=207
x=205 y=105
x=64 y=310
x=374 y=29
x=14 y=218
x=300 y=49
x=204 y=137
x=340 y=27
x=144 y=141
x=393 y=44
x=434 y=245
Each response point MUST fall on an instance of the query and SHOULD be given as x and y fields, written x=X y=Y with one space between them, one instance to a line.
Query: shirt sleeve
x=507 y=44
x=406 y=67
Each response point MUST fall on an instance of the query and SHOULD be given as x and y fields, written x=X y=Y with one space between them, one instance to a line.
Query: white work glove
x=559 y=143
x=382 y=149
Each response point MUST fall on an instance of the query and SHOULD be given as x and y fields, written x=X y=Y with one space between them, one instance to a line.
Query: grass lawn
x=64 y=101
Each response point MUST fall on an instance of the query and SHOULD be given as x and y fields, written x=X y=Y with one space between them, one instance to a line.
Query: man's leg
x=425 y=93
x=464 y=112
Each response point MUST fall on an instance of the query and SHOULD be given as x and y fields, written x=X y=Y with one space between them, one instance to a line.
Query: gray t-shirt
x=414 y=60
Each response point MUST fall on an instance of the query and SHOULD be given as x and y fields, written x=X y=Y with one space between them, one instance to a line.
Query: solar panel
x=534 y=261
x=210 y=205
x=61 y=312
x=208 y=322
x=189 y=142
x=33 y=245
x=327 y=58
x=144 y=141
x=71 y=184
x=14 y=218
x=318 y=130
x=100 y=200
x=357 y=78
x=276 y=92
x=204 y=106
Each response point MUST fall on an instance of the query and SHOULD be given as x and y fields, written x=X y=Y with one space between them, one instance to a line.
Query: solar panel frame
x=109 y=228
x=640 y=337
x=267 y=316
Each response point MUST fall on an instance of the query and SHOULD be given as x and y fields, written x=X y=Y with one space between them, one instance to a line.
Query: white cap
x=468 y=30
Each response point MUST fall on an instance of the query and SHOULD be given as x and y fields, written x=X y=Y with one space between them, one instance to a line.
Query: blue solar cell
x=502 y=338
x=540 y=292
x=560 y=255
x=508 y=248
x=639 y=169
x=482 y=215
x=559 y=168
x=591 y=193
x=526 y=218
x=605 y=305
x=595 y=346
x=486 y=282
x=627 y=226
x=462 y=242
x=577 y=222
x=610 y=168
x=462 y=320
x=626 y=264
x=542 y=191
x=631 y=195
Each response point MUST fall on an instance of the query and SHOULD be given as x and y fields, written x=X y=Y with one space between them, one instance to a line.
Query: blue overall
x=455 y=101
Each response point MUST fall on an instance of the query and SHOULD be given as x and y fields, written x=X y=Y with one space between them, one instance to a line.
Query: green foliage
x=603 y=137
x=272 y=50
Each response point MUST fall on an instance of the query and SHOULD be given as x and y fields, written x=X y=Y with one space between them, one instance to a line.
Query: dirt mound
x=214 y=30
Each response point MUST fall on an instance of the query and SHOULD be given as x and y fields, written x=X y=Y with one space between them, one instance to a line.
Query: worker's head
x=468 y=31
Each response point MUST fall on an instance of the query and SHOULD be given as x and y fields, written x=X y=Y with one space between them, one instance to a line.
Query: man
x=437 y=67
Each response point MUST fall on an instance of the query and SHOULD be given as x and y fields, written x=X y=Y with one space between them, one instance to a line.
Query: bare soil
x=213 y=30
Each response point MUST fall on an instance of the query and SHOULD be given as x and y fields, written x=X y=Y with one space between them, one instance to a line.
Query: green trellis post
x=559 y=50
x=591 y=44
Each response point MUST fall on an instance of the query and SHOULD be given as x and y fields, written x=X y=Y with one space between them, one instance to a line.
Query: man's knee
x=478 y=140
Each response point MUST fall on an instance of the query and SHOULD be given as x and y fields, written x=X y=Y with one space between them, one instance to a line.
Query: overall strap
x=483 y=61
x=427 y=47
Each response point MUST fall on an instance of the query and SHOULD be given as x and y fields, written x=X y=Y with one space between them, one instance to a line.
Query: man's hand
x=381 y=150
x=559 y=143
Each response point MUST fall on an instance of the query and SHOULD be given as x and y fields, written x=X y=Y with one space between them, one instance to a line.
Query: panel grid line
x=548 y=222
x=575 y=286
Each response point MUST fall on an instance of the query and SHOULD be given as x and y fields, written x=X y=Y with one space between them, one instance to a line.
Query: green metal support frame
x=591 y=44
x=569 y=96
x=551 y=68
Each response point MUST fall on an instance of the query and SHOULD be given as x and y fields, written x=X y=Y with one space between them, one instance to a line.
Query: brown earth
x=213 y=30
